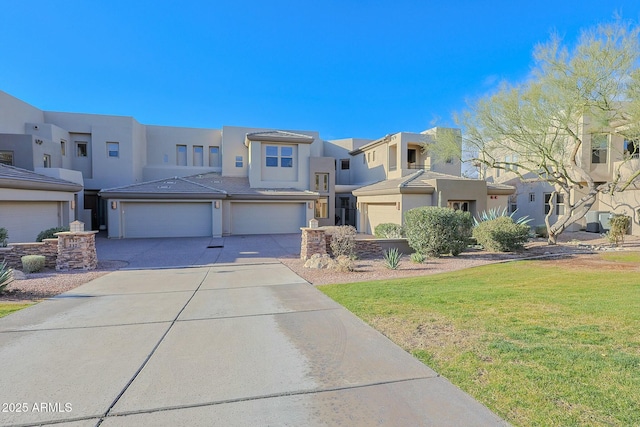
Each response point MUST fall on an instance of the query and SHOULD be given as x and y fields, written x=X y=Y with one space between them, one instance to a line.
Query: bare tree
x=547 y=128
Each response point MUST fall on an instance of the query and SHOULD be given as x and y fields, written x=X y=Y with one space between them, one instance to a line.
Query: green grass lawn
x=10 y=307
x=539 y=344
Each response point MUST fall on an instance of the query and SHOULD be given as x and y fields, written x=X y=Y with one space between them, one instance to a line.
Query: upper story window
x=113 y=149
x=63 y=147
x=632 y=148
x=322 y=182
x=181 y=158
x=532 y=197
x=81 y=149
x=46 y=160
x=344 y=164
x=278 y=156
x=239 y=162
x=6 y=158
x=198 y=154
x=214 y=156
x=599 y=144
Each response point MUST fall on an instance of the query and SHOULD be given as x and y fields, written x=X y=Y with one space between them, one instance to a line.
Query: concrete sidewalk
x=229 y=344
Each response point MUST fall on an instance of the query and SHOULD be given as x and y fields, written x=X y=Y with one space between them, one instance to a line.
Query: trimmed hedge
x=388 y=230
x=501 y=234
x=434 y=231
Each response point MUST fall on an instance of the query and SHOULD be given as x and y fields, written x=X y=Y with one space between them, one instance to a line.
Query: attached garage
x=267 y=217
x=25 y=220
x=166 y=219
x=378 y=213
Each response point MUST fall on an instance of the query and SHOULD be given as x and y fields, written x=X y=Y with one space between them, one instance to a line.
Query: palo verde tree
x=543 y=128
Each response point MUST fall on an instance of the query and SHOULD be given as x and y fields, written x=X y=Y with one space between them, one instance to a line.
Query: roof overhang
x=164 y=196
x=278 y=136
x=38 y=185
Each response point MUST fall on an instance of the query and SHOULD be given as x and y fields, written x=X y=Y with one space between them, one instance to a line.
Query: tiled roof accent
x=13 y=177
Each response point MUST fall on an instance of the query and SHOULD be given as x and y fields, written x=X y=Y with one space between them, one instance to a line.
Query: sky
x=344 y=68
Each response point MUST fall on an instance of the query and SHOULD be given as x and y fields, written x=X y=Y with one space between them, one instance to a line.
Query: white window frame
x=111 y=152
x=322 y=182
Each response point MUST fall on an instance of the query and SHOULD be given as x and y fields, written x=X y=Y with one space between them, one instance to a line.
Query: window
x=559 y=203
x=181 y=158
x=411 y=155
x=239 y=162
x=198 y=154
x=286 y=157
x=322 y=182
x=364 y=159
x=214 y=157
x=113 y=149
x=81 y=149
x=532 y=197
x=458 y=205
x=373 y=156
x=344 y=164
x=322 y=208
x=63 y=147
x=6 y=158
x=599 y=143
x=631 y=148
x=272 y=156
x=46 y=160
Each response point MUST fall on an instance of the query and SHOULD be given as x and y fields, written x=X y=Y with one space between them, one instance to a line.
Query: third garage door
x=267 y=218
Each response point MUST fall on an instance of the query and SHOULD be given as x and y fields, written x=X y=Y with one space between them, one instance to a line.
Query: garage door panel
x=25 y=220
x=167 y=219
x=382 y=213
x=267 y=218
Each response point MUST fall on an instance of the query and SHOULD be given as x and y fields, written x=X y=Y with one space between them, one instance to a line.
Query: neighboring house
x=32 y=202
x=158 y=181
x=604 y=156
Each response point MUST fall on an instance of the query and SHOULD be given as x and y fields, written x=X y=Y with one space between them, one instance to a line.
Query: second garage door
x=378 y=213
x=167 y=219
x=267 y=218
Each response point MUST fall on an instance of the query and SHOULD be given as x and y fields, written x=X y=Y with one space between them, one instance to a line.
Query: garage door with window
x=267 y=218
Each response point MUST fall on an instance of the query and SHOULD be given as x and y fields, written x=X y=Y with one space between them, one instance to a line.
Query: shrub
x=4 y=235
x=388 y=230
x=32 y=263
x=541 y=231
x=434 y=231
x=496 y=213
x=6 y=276
x=502 y=234
x=342 y=242
x=417 y=258
x=49 y=233
x=618 y=225
x=392 y=258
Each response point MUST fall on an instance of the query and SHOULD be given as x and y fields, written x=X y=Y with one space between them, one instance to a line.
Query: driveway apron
x=243 y=343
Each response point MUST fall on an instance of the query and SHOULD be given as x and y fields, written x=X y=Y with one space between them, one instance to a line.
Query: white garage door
x=267 y=218
x=25 y=220
x=165 y=219
x=381 y=213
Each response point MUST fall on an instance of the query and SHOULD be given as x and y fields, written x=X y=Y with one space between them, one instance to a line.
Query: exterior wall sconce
x=397 y=205
x=310 y=205
x=73 y=204
x=216 y=204
x=114 y=205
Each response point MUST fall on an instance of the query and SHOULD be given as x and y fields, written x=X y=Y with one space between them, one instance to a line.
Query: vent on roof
x=217 y=182
x=169 y=182
x=164 y=186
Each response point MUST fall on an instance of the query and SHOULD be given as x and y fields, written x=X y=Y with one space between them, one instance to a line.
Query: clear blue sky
x=346 y=68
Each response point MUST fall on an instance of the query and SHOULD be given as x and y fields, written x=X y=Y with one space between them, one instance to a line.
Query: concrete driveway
x=247 y=343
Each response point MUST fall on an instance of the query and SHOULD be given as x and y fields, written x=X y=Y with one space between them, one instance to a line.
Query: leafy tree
x=542 y=129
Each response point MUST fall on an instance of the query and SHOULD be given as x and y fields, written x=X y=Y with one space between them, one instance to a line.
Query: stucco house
x=157 y=181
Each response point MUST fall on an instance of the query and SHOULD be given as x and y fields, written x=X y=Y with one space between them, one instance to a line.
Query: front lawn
x=10 y=307
x=548 y=343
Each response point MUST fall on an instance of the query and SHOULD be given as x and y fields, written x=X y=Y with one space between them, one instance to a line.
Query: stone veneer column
x=76 y=250
x=313 y=242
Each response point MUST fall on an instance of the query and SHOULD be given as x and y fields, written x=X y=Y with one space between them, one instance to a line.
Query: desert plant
x=32 y=263
x=502 y=234
x=392 y=258
x=435 y=231
x=50 y=233
x=541 y=231
x=342 y=242
x=6 y=276
x=388 y=230
x=4 y=235
x=417 y=258
x=618 y=223
x=496 y=213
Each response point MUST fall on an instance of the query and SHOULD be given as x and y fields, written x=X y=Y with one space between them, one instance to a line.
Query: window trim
x=195 y=155
x=239 y=161
x=322 y=182
x=344 y=162
x=116 y=151
x=180 y=147
x=599 y=149
x=317 y=212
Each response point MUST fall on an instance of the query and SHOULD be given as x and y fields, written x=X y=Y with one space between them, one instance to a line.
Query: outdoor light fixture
x=310 y=205
x=114 y=205
x=216 y=204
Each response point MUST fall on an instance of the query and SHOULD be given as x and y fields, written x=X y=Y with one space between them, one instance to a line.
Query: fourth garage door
x=267 y=218
x=167 y=219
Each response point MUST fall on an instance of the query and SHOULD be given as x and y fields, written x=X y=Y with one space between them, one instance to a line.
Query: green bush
x=388 y=230
x=49 y=233
x=32 y=263
x=618 y=225
x=434 y=231
x=392 y=258
x=541 y=231
x=6 y=276
x=501 y=234
x=417 y=258
x=4 y=235
x=342 y=243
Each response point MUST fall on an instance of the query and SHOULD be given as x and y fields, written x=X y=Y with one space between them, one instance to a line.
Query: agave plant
x=6 y=275
x=495 y=213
